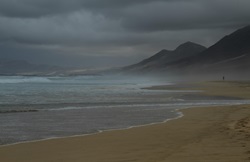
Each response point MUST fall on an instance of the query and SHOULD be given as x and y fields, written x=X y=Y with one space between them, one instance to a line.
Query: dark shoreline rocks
x=17 y=111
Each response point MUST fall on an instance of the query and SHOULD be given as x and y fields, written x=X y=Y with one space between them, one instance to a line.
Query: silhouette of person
x=223 y=78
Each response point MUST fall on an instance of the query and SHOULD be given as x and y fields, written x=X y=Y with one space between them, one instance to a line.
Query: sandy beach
x=204 y=134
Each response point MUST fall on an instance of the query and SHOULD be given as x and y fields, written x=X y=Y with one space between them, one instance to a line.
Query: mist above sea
x=79 y=89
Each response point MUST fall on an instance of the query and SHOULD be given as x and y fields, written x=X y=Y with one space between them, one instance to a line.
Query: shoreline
x=182 y=139
x=178 y=112
x=198 y=136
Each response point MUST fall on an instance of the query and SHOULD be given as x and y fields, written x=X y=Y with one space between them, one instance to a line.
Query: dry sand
x=204 y=134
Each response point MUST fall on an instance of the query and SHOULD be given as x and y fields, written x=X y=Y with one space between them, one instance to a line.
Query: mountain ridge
x=184 y=50
x=230 y=55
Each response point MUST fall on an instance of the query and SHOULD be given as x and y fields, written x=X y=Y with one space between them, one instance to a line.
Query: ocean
x=37 y=108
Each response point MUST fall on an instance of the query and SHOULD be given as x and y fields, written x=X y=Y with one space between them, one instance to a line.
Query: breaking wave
x=20 y=79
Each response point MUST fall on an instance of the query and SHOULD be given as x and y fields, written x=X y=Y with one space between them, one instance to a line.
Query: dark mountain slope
x=230 y=56
x=163 y=57
x=232 y=46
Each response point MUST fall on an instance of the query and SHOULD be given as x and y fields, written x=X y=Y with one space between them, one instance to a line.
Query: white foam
x=179 y=104
x=17 y=79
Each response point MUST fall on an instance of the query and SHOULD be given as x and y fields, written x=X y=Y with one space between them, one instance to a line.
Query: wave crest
x=16 y=79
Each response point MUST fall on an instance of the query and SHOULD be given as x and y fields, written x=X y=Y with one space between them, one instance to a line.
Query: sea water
x=35 y=108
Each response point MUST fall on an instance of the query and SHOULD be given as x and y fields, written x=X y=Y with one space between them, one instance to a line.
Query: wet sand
x=203 y=134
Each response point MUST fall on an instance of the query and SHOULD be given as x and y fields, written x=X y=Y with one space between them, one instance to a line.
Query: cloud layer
x=129 y=30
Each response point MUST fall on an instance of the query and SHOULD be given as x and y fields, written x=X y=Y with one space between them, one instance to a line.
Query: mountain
x=231 y=46
x=230 y=56
x=160 y=59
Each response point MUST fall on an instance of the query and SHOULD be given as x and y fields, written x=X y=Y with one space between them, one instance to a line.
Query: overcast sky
x=111 y=32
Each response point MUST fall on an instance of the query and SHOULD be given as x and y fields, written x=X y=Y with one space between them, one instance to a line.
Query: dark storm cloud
x=34 y=8
x=188 y=15
x=132 y=28
x=40 y=8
